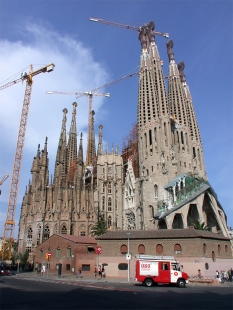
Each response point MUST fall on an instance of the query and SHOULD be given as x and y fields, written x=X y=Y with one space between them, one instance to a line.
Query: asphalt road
x=26 y=293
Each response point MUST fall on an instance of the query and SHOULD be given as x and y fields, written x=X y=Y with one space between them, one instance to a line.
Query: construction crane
x=8 y=234
x=90 y=94
x=138 y=29
x=3 y=180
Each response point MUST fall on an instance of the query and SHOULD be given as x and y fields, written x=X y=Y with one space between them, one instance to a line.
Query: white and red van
x=159 y=269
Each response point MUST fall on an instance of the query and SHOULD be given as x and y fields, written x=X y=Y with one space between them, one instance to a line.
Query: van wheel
x=148 y=282
x=181 y=283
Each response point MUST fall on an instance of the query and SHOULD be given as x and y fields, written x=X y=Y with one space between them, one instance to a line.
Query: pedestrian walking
x=199 y=274
x=99 y=272
x=103 y=272
x=79 y=272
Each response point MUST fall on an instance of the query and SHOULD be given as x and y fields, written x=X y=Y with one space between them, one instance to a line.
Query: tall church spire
x=197 y=149
x=91 y=150
x=61 y=158
x=100 y=144
x=72 y=146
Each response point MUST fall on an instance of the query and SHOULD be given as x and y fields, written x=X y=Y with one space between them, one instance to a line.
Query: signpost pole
x=128 y=260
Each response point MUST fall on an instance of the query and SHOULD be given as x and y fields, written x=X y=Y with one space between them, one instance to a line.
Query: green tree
x=99 y=228
x=201 y=226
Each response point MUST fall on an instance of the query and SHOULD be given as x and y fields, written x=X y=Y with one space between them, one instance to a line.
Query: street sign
x=128 y=256
x=98 y=250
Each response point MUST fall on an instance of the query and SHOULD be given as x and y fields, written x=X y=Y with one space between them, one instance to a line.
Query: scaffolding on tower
x=130 y=150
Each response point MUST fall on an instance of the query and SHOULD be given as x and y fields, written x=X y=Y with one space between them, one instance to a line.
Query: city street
x=50 y=293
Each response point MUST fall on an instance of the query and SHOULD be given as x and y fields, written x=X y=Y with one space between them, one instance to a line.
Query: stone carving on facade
x=172 y=156
x=131 y=220
x=169 y=50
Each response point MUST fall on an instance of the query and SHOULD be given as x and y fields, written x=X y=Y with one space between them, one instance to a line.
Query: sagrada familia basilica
x=158 y=181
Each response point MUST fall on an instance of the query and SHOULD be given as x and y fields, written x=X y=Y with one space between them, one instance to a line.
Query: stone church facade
x=157 y=182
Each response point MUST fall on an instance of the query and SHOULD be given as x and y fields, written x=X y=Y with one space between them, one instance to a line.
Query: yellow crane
x=90 y=94
x=4 y=179
x=8 y=235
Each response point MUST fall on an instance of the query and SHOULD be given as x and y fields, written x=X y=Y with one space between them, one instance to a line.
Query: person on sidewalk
x=95 y=272
x=99 y=272
x=103 y=272
x=79 y=272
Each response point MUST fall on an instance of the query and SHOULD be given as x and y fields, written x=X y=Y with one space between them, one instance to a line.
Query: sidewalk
x=92 y=279
x=73 y=278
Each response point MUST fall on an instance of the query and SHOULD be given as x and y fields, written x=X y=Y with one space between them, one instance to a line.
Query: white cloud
x=75 y=69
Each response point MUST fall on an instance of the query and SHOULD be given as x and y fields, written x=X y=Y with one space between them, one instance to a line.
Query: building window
x=206 y=266
x=86 y=267
x=141 y=249
x=159 y=249
x=72 y=229
x=124 y=249
x=109 y=221
x=83 y=233
x=156 y=190
x=41 y=253
x=38 y=235
x=63 y=230
x=219 y=249
x=213 y=256
x=69 y=252
x=226 y=249
x=29 y=240
x=67 y=267
x=58 y=253
x=103 y=203
x=109 y=204
x=109 y=188
x=103 y=188
x=90 y=249
x=177 y=248
x=46 y=232
x=123 y=266
x=204 y=248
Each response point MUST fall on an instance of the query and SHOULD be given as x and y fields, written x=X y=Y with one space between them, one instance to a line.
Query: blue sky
x=88 y=55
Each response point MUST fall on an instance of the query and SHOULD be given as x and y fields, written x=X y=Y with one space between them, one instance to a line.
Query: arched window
x=103 y=188
x=46 y=232
x=41 y=253
x=69 y=251
x=29 y=240
x=38 y=235
x=103 y=203
x=141 y=249
x=109 y=204
x=64 y=229
x=219 y=249
x=204 y=248
x=213 y=256
x=176 y=189
x=109 y=188
x=109 y=221
x=156 y=190
x=159 y=249
x=58 y=252
x=226 y=249
x=72 y=229
x=177 y=248
x=124 y=249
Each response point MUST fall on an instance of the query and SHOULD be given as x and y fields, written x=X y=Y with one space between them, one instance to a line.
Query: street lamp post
x=18 y=256
x=128 y=259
